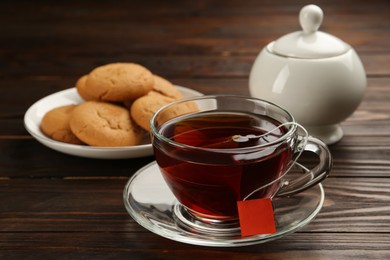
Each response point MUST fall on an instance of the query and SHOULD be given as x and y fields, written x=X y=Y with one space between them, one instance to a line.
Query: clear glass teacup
x=216 y=150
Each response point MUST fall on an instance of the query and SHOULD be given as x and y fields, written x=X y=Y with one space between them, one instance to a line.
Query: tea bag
x=256 y=217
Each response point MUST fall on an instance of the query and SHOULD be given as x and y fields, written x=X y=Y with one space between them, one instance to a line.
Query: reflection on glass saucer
x=149 y=201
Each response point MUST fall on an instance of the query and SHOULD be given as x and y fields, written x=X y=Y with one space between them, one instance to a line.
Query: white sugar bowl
x=314 y=75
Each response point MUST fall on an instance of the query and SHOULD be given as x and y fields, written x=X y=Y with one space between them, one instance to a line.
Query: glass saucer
x=150 y=202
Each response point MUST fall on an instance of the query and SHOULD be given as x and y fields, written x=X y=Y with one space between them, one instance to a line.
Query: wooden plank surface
x=145 y=245
x=79 y=204
x=85 y=218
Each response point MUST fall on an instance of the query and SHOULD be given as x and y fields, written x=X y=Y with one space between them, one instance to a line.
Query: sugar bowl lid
x=309 y=43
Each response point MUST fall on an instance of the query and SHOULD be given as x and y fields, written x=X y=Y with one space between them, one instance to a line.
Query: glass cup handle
x=313 y=176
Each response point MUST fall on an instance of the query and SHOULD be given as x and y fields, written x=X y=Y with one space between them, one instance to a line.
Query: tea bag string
x=300 y=148
x=246 y=138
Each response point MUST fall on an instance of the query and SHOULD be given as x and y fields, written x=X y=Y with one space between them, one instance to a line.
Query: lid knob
x=309 y=43
x=310 y=18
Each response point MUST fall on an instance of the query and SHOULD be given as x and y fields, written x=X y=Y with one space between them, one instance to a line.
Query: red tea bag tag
x=256 y=217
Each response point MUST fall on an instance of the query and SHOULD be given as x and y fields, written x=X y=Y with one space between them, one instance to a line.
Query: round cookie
x=165 y=88
x=178 y=109
x=55 y=124
x=82 y=90
x=161 y=87
x=104 y=124
x=144 y=107
x=119 y=82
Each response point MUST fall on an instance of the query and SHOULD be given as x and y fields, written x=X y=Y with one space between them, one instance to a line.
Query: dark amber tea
x=214 y=159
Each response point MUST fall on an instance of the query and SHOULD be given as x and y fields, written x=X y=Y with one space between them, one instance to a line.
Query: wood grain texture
x=149 y=246
x=75 y=205
x=85 y=218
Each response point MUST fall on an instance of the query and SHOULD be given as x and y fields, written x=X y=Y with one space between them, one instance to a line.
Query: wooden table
x=57 y=206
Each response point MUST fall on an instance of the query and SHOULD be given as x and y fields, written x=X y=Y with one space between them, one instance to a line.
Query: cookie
x=165 y=88
x=144 y=107
x=55 y=125
x=178 y=109
x=81 y=88
x=119 y=82
x=104 y=124
x=162 y=87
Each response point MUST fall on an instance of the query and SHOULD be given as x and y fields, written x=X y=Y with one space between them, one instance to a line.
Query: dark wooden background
x=55 y=206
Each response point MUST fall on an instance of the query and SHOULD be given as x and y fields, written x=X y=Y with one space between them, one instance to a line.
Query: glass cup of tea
x=216 y=150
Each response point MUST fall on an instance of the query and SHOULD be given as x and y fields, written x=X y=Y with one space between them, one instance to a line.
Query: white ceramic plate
x=33 y=117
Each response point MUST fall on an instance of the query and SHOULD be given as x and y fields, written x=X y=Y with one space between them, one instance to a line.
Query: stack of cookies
x=120 y=99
